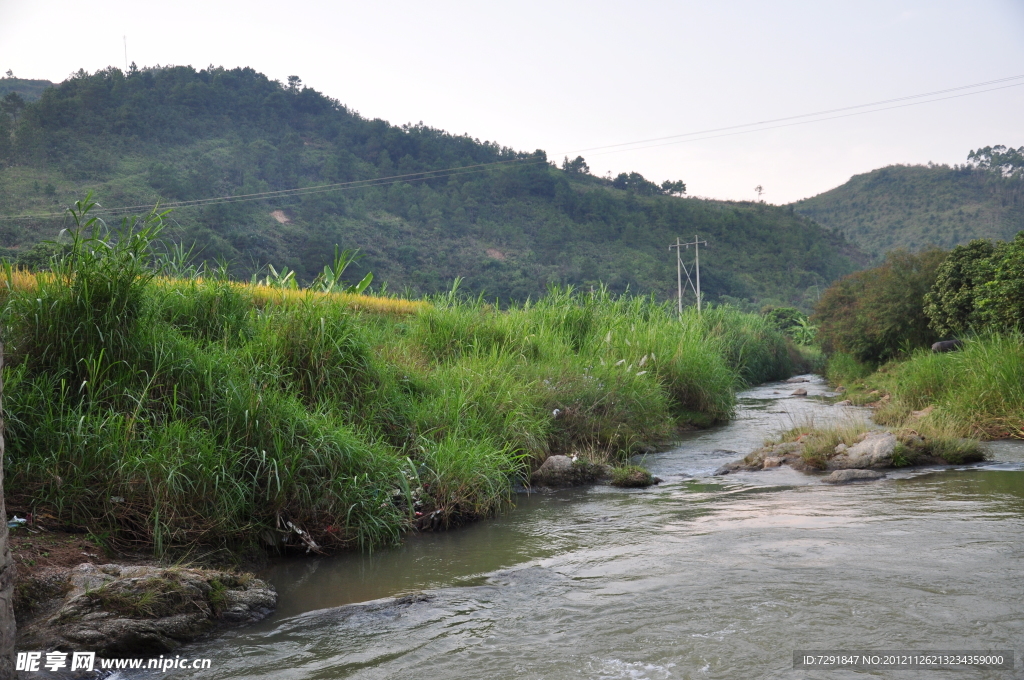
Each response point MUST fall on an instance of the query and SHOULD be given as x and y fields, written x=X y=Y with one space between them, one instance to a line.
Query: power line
x=819 y=113
x=805 y=122
x=613 y=148
x=301 y=191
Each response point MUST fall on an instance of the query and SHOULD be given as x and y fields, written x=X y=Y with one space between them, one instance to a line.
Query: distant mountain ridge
x=510 y=225
x=916 y=206
x=30 y=90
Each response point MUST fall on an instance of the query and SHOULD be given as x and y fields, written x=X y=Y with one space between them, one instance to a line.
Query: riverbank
x=976 y=391
x=699 y=575
x=173 y=415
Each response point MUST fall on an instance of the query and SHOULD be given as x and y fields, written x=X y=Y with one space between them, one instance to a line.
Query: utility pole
x=680 y=268
x=679 y=275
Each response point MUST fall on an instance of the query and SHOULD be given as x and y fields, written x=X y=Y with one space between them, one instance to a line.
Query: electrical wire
x=819 y=113
x=805 y=122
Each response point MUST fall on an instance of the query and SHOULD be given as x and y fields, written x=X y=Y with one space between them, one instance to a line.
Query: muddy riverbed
x=699 y=577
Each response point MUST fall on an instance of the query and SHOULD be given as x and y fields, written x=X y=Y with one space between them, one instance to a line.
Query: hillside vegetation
x=29 y=90
x=916 y=207
x=885 y=318
x=510 y=228
x=167 y=408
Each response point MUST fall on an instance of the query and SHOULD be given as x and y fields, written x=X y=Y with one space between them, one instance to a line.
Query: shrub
x=877 y=314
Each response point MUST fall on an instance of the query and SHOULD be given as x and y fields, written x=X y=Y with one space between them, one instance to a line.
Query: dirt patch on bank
x=43 y=552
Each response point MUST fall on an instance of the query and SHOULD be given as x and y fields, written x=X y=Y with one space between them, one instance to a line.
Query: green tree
x=636 y=183
x=1006 y=161
x=12 y=104
x=879 y=313
x=1002 y=300
x=577 y=166
x=784 y=318
x=677 y=188
x=952 y=305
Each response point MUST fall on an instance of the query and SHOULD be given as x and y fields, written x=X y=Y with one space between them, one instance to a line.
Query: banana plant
x=803 y=332
x=283 y=279
x=329 y=280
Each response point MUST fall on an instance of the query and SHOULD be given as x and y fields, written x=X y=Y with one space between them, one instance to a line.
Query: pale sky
x=564 y=76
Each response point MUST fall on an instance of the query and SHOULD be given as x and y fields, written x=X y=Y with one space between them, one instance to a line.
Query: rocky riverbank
x=137 y=610
x=853 y=456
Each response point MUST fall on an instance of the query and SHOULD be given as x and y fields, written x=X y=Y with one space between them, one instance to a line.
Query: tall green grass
x=976 y=391
x=842 y=368
x=170 y=414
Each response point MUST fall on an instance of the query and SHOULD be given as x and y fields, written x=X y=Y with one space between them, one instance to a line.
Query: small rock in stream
x=847 y=476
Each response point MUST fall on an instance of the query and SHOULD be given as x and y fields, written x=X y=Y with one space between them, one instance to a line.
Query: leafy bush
x=979 y=288
x=952 y=304
x=877 y=314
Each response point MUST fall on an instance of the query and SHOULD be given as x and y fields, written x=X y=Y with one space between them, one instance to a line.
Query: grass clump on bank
x=974 y=392
x=171 y=413
x=977 y=391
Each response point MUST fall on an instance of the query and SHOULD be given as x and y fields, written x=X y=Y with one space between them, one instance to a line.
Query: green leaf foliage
x=952 y=305
x=877 y=314
x=979 y=289
x=784 y=318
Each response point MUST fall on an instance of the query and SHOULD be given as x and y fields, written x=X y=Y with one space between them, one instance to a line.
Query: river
x=699 y=577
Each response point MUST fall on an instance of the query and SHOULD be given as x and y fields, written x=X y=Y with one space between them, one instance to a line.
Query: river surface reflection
x=699 y=577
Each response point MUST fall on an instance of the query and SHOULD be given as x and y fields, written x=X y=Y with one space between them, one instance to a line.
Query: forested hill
x=916 y=206
x=176 y=134
x=28 y=90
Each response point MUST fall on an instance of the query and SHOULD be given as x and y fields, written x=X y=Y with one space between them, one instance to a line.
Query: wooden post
x=6 y=562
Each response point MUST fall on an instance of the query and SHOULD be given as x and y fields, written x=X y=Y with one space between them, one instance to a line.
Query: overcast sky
x=565 y=76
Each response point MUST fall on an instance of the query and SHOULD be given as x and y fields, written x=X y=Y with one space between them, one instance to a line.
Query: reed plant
x=174 y=412
x=977 y=391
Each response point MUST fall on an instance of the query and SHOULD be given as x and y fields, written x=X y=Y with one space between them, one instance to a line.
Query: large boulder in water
x=874 y=450
x=119 y=610
x=564 y=471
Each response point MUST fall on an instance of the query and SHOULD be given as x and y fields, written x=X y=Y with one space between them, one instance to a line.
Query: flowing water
x=699 y=577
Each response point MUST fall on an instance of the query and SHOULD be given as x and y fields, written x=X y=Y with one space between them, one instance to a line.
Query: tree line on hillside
x=509 y=223
x=912 y=300
x=922 y=206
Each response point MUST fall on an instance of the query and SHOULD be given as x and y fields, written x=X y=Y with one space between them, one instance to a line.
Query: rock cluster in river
x=118 y=610
x=564 y=471
x=870 y=452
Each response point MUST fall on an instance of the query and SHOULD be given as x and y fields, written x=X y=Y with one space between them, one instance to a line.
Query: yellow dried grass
x=23 y=280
